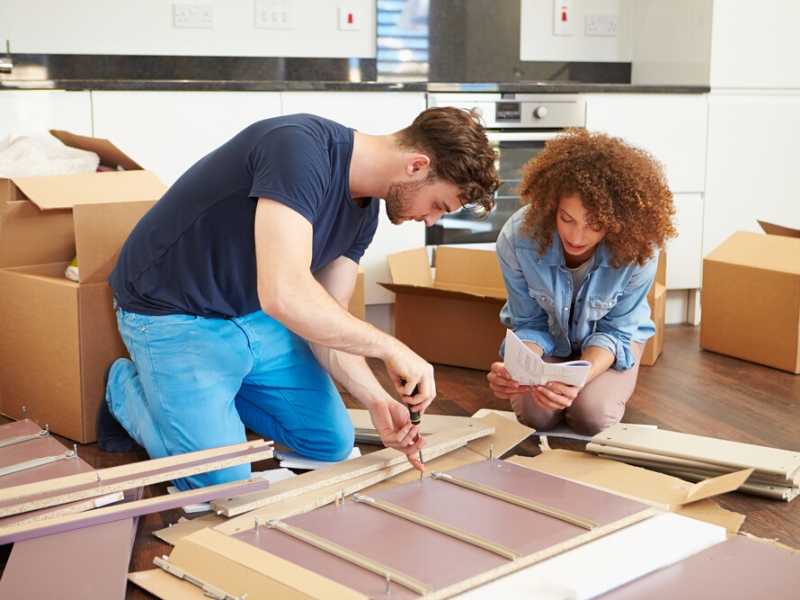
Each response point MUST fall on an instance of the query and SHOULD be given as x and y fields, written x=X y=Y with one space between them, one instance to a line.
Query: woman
x=578 y=260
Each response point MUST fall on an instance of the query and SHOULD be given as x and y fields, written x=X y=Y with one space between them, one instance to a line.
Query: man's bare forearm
x=352 y=372
x=306 y=308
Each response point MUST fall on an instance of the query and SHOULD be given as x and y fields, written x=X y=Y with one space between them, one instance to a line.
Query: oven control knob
x=540 y=112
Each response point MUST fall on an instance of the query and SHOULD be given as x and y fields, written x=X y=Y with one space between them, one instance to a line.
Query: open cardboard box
x=357 y=306
x=657 y=299
x=751 y=297
x=59 y=337
x=452 y=318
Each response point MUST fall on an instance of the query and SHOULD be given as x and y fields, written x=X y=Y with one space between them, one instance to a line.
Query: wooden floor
x=687 y=390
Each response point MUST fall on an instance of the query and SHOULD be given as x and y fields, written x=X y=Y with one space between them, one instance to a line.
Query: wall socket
x=274 y=14
x=186 y=15
x=600 y=25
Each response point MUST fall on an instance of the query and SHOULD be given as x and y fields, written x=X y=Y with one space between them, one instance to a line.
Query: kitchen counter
x=520 y=87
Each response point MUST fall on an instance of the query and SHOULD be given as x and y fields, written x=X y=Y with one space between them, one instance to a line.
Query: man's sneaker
x=111 y=436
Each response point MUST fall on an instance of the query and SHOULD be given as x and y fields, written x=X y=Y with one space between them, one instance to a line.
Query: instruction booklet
x=527 y=368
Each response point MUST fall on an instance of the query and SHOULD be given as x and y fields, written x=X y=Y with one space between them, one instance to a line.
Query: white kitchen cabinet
x=23 y=112
x=684 y=253
x=167 y=132
x=377 y=113
x=672 y=127
x=752 y=163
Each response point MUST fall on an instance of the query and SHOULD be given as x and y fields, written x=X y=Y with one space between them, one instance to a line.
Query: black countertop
x=270 y=74
x=519 y=87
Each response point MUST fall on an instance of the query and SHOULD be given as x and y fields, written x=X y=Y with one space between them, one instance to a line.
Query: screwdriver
x=416 y=419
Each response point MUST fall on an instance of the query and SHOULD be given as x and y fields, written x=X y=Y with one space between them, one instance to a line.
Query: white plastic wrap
x=27 y=156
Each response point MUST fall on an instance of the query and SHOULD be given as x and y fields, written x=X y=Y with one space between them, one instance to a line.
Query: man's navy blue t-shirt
x=194 y=251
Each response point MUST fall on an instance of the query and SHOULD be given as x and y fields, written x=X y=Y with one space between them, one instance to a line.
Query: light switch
x=350 y=17
x=563 y=17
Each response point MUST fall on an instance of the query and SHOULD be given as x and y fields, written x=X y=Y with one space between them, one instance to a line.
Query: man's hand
x=393 y=423
x=502 y=384
x=408 y=371
x=555 y=395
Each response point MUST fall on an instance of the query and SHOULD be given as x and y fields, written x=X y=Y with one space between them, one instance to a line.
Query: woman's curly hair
x=622 y=188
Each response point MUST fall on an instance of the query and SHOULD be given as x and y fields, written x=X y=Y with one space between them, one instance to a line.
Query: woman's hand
x=555 y=395
x=502 y=384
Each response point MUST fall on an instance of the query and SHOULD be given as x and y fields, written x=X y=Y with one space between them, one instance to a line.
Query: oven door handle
x=521 y=136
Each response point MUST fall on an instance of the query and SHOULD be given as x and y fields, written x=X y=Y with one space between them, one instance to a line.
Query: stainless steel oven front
x=518 y=126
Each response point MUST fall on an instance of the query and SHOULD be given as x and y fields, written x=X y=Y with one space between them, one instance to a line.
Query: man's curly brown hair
x=460 y=153
x=622 y=188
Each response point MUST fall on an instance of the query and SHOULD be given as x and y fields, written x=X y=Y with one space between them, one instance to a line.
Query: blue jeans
x=194 y=383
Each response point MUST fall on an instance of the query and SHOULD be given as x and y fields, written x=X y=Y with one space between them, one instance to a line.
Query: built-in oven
x=518 y=126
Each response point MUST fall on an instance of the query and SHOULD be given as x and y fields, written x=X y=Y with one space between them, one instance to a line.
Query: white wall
x=727 y=44
x=755 y=44
x=671 y=42
x=752 y=170
x=538 y=42
x=35 y=111
x=146 y=27
x=167 y=132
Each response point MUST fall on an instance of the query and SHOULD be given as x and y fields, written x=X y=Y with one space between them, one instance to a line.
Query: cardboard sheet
x=165 y=586
x=185 y=527
x=775 y=229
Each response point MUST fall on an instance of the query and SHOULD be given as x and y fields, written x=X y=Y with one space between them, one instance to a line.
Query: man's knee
x=338 y=441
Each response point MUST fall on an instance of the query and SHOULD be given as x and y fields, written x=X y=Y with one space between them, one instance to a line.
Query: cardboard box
x=59 y=337
x=658 y=307
x=463 y=301
x=751 y=299
x=357 y=306
x=451 y=318
x=657 y=299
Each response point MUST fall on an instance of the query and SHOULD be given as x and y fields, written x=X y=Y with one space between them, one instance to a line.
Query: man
x=231 y=292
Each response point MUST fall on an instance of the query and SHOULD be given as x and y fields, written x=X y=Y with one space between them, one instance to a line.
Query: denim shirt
x=611 y=309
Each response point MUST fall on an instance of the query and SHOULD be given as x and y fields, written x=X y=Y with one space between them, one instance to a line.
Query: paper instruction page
x=527 y=368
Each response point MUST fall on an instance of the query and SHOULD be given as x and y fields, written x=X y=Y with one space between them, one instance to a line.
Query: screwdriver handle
x=416 y=418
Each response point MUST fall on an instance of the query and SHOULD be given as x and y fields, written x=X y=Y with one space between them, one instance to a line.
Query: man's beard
x=398 y=200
